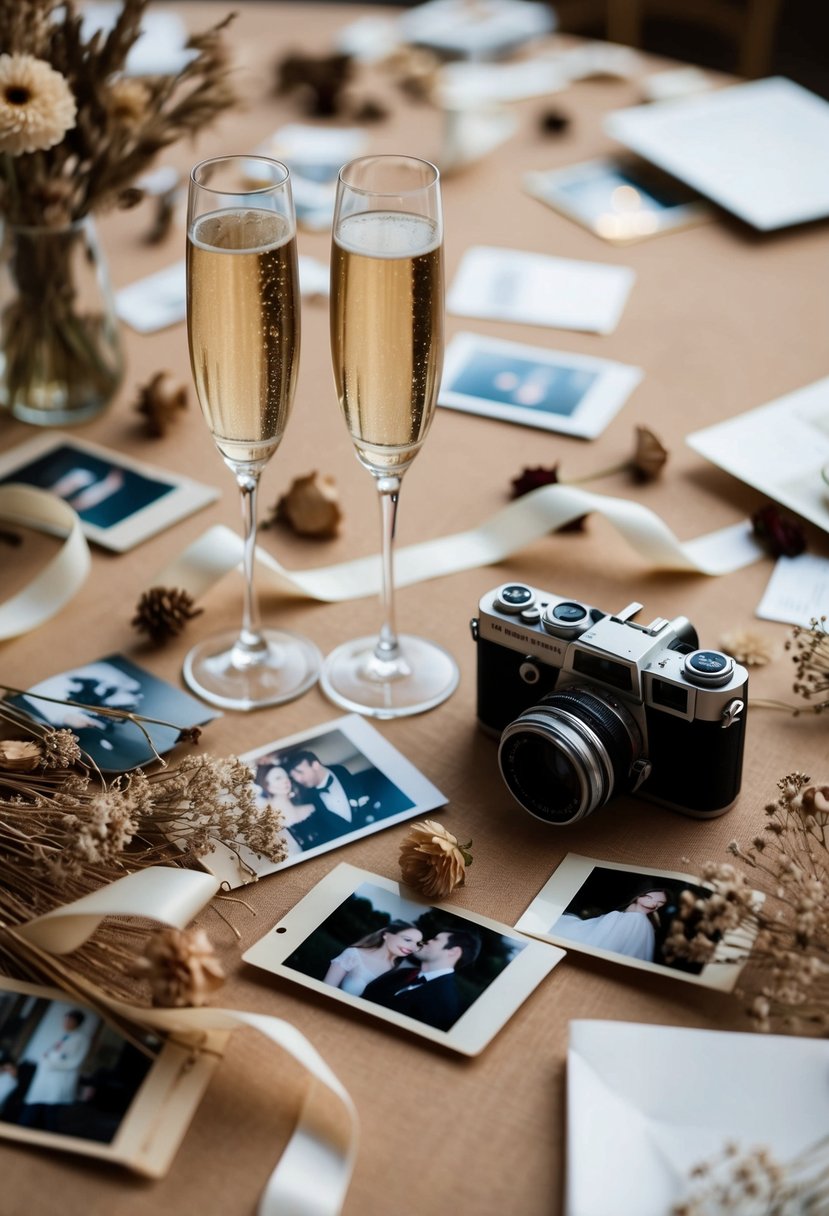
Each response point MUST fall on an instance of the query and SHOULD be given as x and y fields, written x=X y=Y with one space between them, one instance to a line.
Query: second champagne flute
x=387 y=351
x=243 y=329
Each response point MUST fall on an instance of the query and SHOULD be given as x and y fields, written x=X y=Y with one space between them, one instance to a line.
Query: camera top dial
x=566 y=619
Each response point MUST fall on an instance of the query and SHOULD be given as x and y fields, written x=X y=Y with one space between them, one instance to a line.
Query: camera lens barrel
x=570 y=753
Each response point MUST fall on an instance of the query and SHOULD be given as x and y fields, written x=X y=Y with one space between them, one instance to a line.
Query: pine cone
x=162 y=613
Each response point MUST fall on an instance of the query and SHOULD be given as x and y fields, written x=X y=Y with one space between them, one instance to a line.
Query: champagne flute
x=243 y=331
x=387 y=350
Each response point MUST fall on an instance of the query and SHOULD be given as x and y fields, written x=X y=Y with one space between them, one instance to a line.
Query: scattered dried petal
x=20 y=755
x=649 y=456
x=432 y=861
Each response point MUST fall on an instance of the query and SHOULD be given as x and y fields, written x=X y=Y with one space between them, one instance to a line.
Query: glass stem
x=251 y=647
x=387 y=649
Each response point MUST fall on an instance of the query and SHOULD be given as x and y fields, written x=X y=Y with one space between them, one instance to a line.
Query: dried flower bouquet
x=74 y=133
x=65 y=831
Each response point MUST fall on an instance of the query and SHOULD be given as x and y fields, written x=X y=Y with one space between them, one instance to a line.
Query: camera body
x=589 y=704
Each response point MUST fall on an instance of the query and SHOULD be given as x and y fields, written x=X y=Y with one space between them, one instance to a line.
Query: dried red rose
x=533 y=479
x=780 y=534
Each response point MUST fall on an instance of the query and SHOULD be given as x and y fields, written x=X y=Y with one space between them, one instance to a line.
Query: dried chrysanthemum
x=748 y=646
x=311 y=507
x=163 y=612
x=37 y=107
x=160 y=401
x=432 y=860
x=180 y=967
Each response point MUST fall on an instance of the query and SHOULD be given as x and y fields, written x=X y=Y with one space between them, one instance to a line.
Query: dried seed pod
x=162 y=613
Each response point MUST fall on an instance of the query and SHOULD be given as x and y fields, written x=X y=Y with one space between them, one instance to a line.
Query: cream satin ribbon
x=219 y=550
x=313 y=1174
x=526 y=519
x=63 y=574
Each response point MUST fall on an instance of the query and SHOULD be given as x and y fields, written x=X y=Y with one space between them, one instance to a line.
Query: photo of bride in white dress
x=630 y=930
x=356 y=966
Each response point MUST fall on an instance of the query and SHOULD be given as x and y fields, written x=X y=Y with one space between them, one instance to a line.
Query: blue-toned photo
x=102 y=493
x=524 y=383
x=114 y=743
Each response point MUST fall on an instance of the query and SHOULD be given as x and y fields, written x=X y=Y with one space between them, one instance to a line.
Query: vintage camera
x=589 y=704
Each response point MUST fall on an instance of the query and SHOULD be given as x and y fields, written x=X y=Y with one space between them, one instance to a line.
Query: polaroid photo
x=625 y=915
x=120 y=501
x=534 y=289
x=333 y=784
x=554 y=390
x=115 y=745
x=69 y=1081
x=618 y=198
x=448 y=975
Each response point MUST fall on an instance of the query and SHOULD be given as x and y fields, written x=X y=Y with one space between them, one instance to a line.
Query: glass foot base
x=353 y=678
x=290 y=667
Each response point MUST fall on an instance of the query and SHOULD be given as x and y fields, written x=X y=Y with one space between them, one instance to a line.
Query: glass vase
x=60 y=347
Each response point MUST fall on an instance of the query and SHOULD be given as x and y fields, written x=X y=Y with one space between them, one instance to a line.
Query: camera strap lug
x=475 y=628
x=731 y=713
x=640 y=770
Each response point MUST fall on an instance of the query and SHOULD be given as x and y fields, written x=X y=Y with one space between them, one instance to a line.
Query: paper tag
x=797 y=592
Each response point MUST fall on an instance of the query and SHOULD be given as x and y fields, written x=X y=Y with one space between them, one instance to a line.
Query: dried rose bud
x=160 y=400
x=311 y=507
x=780 y=534
x=532 y=479
x=181 y=967
x=815 y=800
x=649 y=457
x=432 y=861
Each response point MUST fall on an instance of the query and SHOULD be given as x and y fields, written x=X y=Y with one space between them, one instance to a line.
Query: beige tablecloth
x=721 y=320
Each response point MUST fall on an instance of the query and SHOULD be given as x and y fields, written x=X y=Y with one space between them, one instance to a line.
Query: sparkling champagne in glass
x=387 y=349
x=243 y=330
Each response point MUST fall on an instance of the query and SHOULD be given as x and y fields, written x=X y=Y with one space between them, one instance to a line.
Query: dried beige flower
x=311 y=507
x=37 y=107
x=432 y=860
x=748 y=646
x=180 y=967
x=160 y=401
x=20 y=755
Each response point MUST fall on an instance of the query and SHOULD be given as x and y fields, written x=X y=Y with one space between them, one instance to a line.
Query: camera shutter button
x=531 y=615
x=708 y=667
x=529 y=671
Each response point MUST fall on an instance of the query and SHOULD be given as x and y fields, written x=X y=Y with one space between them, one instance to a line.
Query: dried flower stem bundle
x=755 y=1184
x=811 y=660
x=787 y=977
x=65 y=831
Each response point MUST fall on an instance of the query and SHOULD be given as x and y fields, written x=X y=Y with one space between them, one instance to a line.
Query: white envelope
x=647 y=1103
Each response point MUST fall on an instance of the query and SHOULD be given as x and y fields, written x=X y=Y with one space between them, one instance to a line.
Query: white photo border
x=720 y=974
x=614 y=384
x=482 y=1020
x=184 y=497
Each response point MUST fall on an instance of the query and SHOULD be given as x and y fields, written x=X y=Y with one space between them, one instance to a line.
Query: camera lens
x=567 y=755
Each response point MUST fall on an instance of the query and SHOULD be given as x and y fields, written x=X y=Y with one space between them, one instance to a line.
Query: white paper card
x=757 y=149
x=798 y=591
x=641 y=1111
x=779 y=449
x=530 y=288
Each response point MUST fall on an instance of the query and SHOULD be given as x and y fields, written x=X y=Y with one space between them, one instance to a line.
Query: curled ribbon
x=220 y=550
x=314 y=1171
x=61 y=577
x=527 y=519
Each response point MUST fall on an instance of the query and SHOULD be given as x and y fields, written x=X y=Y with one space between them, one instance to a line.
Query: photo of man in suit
x=337 y=796
x=429 y=992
